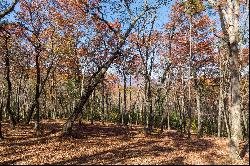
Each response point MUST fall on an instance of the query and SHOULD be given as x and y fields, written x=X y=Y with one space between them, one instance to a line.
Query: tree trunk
x=18 y=93
x=150 y=107
x=107 y=107
x=221 y=103
x=182 y=110
x=189 y=79
x=245 y=123
x=162 y=115
x=168 y=120
x=230 y=27
x=9 y=85
x=130 y=99
x=124 y=112
x=198 y=101
x=93 y=107
x=119 y=103
x=93 y=82
x=1 y=119
x=221 y=107
x=103 y=103
x=37 y=95
x=235 y=106
x=39 y=87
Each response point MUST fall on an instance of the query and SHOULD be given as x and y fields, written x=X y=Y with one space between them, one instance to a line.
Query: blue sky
x=162 y=13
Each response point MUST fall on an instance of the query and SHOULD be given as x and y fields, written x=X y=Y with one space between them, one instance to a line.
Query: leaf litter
x=110 y=144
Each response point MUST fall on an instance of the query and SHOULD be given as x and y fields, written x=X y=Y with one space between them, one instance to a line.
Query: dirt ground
x=109 y=144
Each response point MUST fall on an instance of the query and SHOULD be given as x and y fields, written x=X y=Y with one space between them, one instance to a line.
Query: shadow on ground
x=120 y=145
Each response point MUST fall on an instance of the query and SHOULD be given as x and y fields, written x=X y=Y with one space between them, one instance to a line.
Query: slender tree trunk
x=162 y=115
x=221 y=107
x=9 y=84
x=124 y=113
x=189 y=80
x=93 y=107
x=145 y=109
x=130 y=98
x=1 y=119
x=107 y=107
x=150 y=107
x=37 y=95
x=103 y=103
x=182 y=110
x=168 y=120
x=198 y=101
x=220 y=99
x=119 y=103
x=18 y=93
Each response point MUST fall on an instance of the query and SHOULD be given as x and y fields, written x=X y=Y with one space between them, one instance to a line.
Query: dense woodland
x=162 y=65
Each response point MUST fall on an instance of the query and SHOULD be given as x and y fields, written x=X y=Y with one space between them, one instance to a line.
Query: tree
x=9 y=9
x=97 y=76
x=34 y=22
x=229 y=14
x=193 y=54
x=6 y=38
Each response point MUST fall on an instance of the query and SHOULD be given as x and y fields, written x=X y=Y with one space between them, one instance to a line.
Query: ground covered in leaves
x=109 y=144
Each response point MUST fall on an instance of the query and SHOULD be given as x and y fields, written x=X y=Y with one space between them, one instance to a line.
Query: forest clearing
x=124 y=82
x=110 y=144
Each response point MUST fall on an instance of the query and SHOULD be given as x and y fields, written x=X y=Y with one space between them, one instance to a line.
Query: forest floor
x=109 y=144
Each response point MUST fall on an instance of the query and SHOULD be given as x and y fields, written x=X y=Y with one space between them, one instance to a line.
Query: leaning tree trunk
x=89 y=88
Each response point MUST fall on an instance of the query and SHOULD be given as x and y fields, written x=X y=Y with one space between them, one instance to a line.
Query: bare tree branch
x=9 y=9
